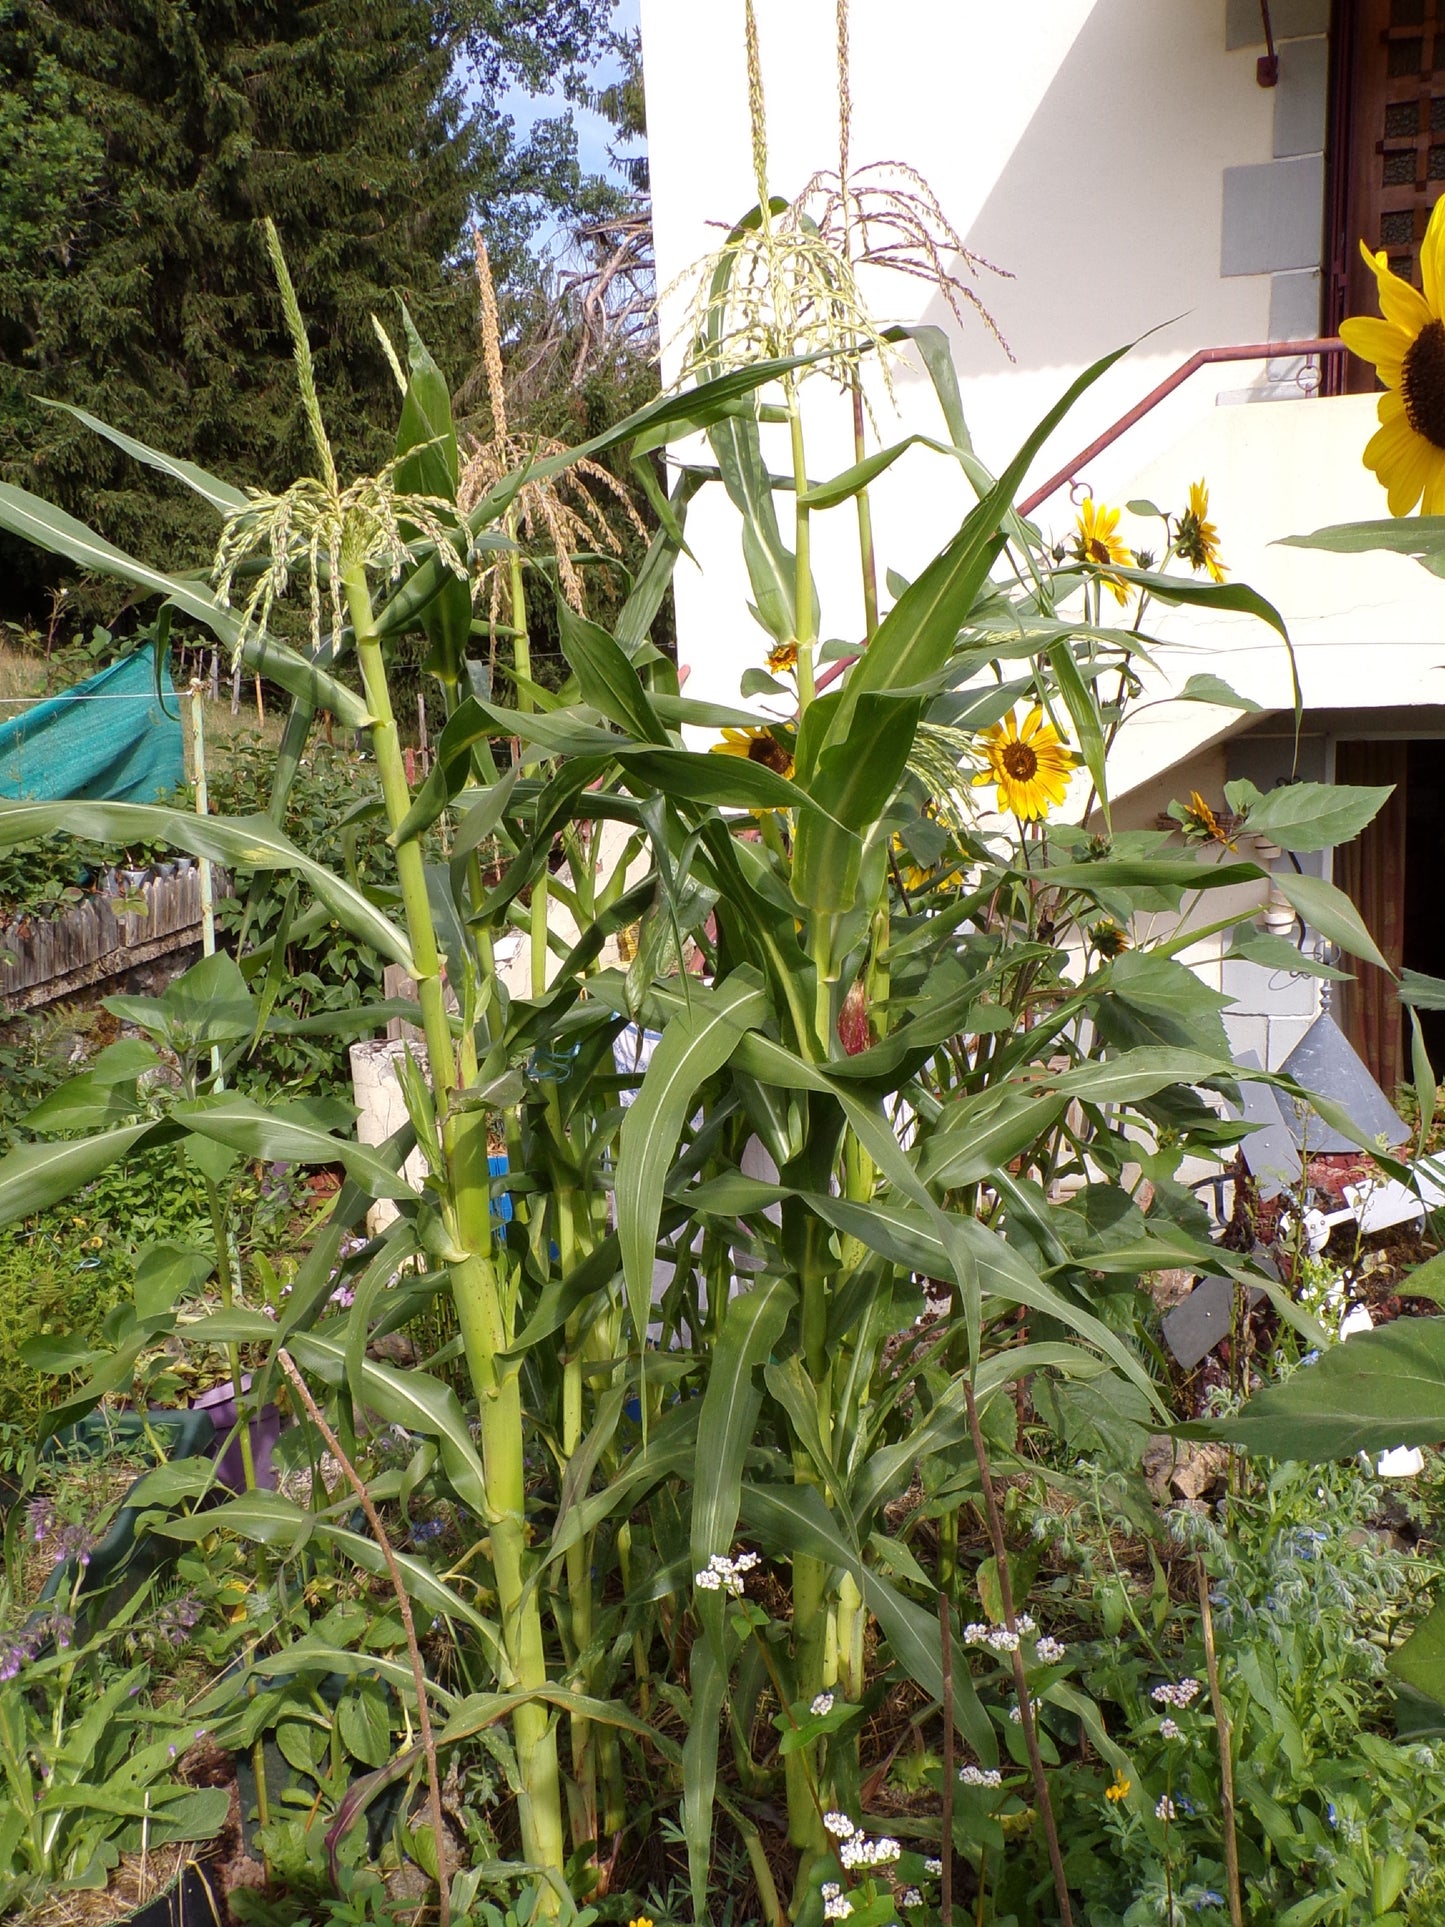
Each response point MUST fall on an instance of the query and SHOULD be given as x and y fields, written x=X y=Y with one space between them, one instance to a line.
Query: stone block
x=1273 y=215
x=1300 y=98
x=1246 y=1033
x=1294 y=305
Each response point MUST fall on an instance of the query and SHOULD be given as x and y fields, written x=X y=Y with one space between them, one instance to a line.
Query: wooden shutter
x=1388 y=126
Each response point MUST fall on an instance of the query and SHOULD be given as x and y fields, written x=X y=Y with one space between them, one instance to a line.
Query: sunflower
x=1030 y=765
x=1109 y=938
x=917 y=877
x=1096 y=541
x=782 y=658
x=1407 y=346
x=758 y=745
x=913 y=876
x=1199 y=821
x=1198 y=540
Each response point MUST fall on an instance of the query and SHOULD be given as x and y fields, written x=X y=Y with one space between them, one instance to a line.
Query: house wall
x=1119 y=160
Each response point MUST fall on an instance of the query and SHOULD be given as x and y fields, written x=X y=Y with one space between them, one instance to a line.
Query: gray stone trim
x=1300 y=98
x=1290 y=20
x=1295 y=305
x=1273 y=215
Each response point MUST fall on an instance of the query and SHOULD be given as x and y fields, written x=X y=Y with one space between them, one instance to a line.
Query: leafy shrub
x=327 y=816
x=1336 y=1818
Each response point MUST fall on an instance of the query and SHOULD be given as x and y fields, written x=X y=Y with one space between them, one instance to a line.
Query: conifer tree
x=141 y=142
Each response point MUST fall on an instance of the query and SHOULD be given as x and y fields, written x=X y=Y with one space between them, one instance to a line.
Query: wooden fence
x=101 y=937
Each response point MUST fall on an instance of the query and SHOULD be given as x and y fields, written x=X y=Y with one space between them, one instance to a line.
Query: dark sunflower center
x=1020 y=762
x=1099 y=551
x=1423 y=383
x=765 y=749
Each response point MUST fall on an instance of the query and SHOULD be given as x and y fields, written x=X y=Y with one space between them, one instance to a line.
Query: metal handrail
x=1201 y=358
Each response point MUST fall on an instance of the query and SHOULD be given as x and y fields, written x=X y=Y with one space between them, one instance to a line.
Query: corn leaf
x=696 y=1044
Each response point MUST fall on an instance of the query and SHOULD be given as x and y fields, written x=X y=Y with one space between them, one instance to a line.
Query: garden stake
x=1021 y=1681
x=208 y=909
x=398 y=1586
x=1226 y=1756
x=945 y=1622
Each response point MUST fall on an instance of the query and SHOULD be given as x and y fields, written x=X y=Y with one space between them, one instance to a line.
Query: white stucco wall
x=1082 y=145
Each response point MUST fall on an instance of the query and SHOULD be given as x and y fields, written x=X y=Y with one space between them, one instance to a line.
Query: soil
x=140 y=1878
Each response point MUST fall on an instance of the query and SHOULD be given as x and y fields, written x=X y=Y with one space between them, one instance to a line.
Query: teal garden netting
x=116 y=736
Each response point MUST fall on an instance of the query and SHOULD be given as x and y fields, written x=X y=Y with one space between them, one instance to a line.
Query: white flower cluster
x=1182 y=1695
x=1016 y=1714
x=722 y=1574
x=839 y=1825
x=1165 y=1809
x=933 y=1866
x=999 y=1639
x=980 y=1775
x=1170 y=1730
x=910 y=1897
x=836 y=1904
x=822 y=1704
x=860 y=1851
x=1050 y=1650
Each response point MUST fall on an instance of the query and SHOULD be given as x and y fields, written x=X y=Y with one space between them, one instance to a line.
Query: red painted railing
x=1202 y=358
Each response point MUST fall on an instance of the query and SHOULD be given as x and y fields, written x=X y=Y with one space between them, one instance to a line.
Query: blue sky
x=592 y=131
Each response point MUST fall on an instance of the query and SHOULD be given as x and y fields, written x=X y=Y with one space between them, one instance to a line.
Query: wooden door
x=1388 y=140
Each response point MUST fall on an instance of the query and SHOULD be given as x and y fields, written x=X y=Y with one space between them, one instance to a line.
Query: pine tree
x=141 y=141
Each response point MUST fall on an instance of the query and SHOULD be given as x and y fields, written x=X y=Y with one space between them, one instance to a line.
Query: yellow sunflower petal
x=1388 y=445
x=1376 y=263
x=1434 y=497
x=1405 y=480
x=1031 y=724
x=1432 y=260
x=1378 y=341
x=1402 y=304
x=1391 y=407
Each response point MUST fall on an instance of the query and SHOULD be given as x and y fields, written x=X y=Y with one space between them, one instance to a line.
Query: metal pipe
x=1266 y=68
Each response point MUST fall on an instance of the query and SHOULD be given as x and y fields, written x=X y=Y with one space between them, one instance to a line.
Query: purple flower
x=16 y=1653
x=39 y=1519
x=19 y=1649
x=74 y=1541
x=176 y=1618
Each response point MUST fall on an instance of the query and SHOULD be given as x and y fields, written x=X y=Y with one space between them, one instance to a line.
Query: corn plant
x=899 y=1039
